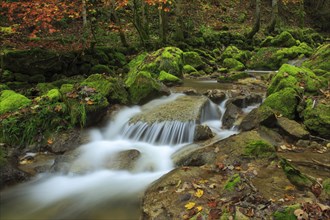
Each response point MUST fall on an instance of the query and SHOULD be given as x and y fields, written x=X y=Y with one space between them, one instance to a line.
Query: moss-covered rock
x=99 y=68
x=234 y=52
x=295 y=176
x=38 y=78
x=259 y=149
x=54 y=95
x=287 y=213
x=326 y=186
x=66 y=88
x=43 y=88
x=284 y=39
x=284 y=102
x=264 y=59
x=302 y=79
x=12 y=101
x=233 y=64
x=320 y=59
x=99 y=82
x=143 y=87
x=317 y=118
x=168 y=79
x=193 y=59
x=293 y=52
x=232 y=77
x=187 y=69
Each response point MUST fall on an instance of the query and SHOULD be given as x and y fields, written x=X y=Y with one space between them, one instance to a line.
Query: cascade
x=91 y=187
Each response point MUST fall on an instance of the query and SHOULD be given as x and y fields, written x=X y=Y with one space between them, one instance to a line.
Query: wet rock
x=67 y=141
x=244 y=101
x=231 y=115
x=202 y=132
x=190 y=92
x=62 y=163
x=259 y=116
x=216 y=95
x=124 y=160
x=293 y=128
x=11 y=175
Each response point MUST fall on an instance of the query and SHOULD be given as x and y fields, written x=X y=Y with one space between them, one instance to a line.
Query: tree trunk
x=273 y=20
x=162 y=25
x=137 y=22
x=179 y=26
x=84 y=13
x=118 y=22
x=256 y=25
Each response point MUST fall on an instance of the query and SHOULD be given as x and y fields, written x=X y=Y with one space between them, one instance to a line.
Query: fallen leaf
x=199 y=193
x=90 y=102
x=190 y=205
x=49 y=141
x=212 y=204
x=289 y=188
x=199 y=208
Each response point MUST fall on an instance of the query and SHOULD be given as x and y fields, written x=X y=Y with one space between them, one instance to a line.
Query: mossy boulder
x=168 y=79
x=168 y=59
x=234 y=52
x=233 y=64
x=142 y=87
x=66 y=88
x=232 y=77
x=193 y=59
x=273 y=57
x=43 y=88
x=302 y=79
x=99 y=82
x=320 y=59
x=283 y=102
x=187 y=69
x=263 y=115
x=284 y=39
x=317 y=118
x=259 y=149
x=12 y=101
x=99 y=68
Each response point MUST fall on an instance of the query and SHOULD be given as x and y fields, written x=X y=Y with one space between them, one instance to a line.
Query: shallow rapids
x=93 y=190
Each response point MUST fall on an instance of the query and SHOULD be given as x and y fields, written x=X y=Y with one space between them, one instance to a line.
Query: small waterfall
x=161 y=133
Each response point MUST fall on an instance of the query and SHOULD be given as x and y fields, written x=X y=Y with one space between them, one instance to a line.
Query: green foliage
x=265 y=59
x=320 y=58
x=284 y=39
x=43 y=88
x=287 y=213
x=193 y=59
x=259 y=149
x=189 y=69
x=283 y=102
x=12 y=101
x=234 y=52
x=3 y=87
x=66 y=88
x=232 y=182
x=326 y=186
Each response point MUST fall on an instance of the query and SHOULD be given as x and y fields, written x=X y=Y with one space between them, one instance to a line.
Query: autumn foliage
x=39 y=15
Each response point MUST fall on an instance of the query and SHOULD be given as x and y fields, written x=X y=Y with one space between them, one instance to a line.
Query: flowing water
x=97 y=192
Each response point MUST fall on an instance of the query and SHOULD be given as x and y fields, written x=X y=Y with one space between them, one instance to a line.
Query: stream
x=97 y=191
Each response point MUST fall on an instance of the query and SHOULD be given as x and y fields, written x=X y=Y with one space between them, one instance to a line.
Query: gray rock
x=231 y=115
x=292 y=128
x=259 y=116
x=216 y=95
x=202 y=132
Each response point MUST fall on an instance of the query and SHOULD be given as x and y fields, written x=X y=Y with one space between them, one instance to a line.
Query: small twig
x=319 y=138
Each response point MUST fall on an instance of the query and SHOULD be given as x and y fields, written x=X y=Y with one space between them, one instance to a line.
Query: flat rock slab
x=184 y=109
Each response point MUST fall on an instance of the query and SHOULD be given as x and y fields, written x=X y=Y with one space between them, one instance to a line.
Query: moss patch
x=193 y=59
x=284 y=102
x=320 y=59
x=326 y=186
x=232 y=182
x=12 y=101
x=287 y=213
x=99 y=68
x=168 y=78
x=233 y=64
x=232 y=77
x=259 y=149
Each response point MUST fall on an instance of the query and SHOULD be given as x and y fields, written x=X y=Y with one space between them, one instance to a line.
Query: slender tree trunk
x=84 y=13
x=162 y=25
x=256 y=25
x=118 y=22
x=179 y=26
x=274 y=18
x=137 y=22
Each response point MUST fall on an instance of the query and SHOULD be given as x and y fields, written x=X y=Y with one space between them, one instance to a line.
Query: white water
x=91 y=187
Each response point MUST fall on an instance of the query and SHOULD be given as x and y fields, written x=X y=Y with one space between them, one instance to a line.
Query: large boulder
x=193 y=59
x=300 y=79
x=292 y=128
x=259 y=116
x=320 y=59
x=284 y=39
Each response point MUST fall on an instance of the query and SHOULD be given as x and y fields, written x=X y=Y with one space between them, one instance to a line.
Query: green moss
x=189 y=69
x=120 y=58
x=287 y=213
x=320 y=59
x=66 y=88
x=3 y=87
x=302 y=79
x=265 y=59
x=284 y=102
x=295 y=176
x=193 y=59
x=137 y=61
x=43 y=88
x=232 y=182
x=294 y=52
x=284 y=39
x=234 y=52
x=233 y=64
x=232 y=77
x=168 y=78
x=99 y=82
x=12 y=101
x=317 y=118
x=326 y=186
x=99 y=68
x=259 y=149
x=54 y=95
